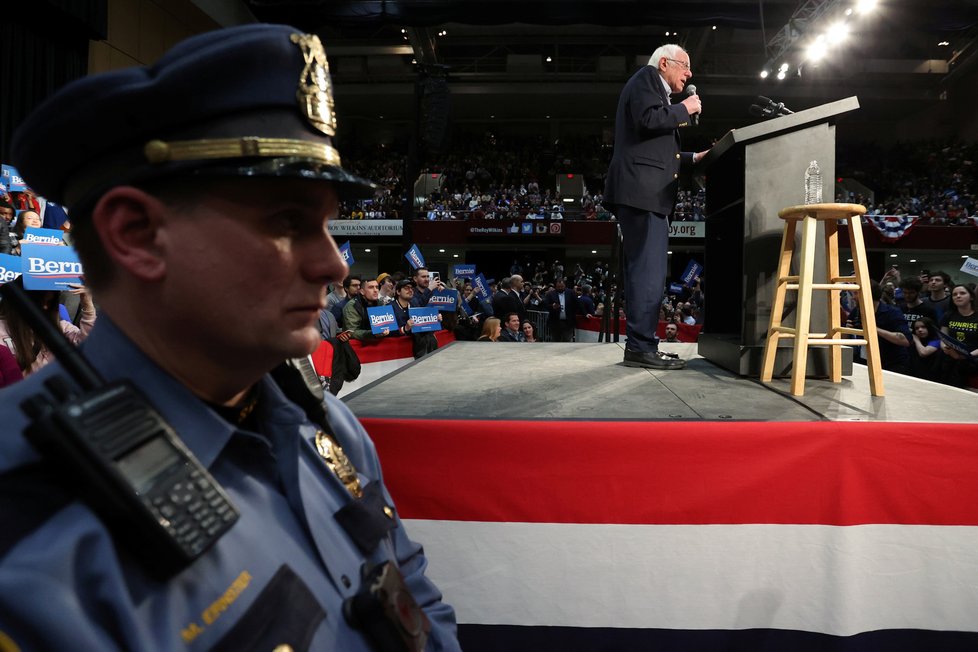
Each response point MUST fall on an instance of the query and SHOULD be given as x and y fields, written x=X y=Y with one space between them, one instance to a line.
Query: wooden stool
x=809 y=216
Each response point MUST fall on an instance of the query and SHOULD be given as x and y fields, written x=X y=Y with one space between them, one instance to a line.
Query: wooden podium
x=752 y=173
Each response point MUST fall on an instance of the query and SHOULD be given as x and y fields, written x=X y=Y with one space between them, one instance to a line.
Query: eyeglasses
x=681 y=63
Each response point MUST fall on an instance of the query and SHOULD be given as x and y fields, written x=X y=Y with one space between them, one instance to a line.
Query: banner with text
x=444 y=300
x=49 y=268
x=464 y=271
x=414 y=257
x=9 y=267
x=382 y=319
x=692 y=272
x=365 y=227
x=481 y=286
x=46 y=237
x=347 y=254
x=425 y=319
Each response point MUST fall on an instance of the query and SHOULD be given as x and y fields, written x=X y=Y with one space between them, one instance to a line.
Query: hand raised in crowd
x=84 y=296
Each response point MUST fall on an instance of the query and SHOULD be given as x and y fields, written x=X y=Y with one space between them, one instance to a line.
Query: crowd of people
x=485 y=180
x=927 y=326
x=935 y=181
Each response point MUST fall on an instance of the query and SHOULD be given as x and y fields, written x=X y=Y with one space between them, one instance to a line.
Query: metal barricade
x=541 y=321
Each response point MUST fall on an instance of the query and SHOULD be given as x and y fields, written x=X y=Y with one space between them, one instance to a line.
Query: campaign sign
x=347 y=254
x=45 y=237
x=970 y=266
x=9 y=268
x=467 y=308
x=693 y=271
x=12 y=179
x=463 y=271
x=444 y=300
x=414 y=257
x=425 y=319
x=956 y=345
x=382 y=319
x=49 y=268
x=481 y=286
x=675 y=288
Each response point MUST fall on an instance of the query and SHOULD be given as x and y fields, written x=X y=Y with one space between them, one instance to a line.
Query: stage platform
x=487 y=380
x=567 y=502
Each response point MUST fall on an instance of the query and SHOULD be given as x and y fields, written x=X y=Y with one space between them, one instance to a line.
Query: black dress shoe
x=652 y=360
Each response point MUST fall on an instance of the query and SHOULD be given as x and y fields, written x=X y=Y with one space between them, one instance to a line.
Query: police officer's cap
x=250 y=101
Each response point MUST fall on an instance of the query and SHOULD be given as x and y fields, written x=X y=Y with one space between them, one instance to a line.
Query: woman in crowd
x=26 y=220
x=31 y=354
x=926 y=342
x=529 y=331
x=961 y=324
x=491 y=330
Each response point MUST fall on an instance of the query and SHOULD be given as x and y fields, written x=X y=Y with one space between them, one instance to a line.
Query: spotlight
x=837 y=33
x=549 y=59
x=714 y=27
x=865 y=6
x=780 y=74
x=366 y=251
x=784 y=67
x=817 y=49
x=441 y=251
x=893 y=255
x=764 y=74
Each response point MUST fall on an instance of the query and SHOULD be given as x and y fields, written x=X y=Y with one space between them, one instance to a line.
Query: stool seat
x=807 y=217
x=821 y=211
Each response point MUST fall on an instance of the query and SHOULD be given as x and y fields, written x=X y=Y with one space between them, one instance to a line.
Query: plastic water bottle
x=813 y=184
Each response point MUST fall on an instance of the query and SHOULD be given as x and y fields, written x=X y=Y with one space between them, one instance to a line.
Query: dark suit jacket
x=504 y=303
x=644 y=170
x=570 y=305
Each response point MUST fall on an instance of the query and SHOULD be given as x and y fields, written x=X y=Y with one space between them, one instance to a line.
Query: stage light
x=943 y=43
x=764 y=74
x=667 y=33
x=549 y=59
x=441 y=251
x=837 y=33
x=848 y=12
x=366 y=251
x=668 y=253
x=784 y=67
x=893 y=255
x=817 y=50
x=780 y=74
x=594 y=251
x=913 y=260
x=454 y=255
x=714 y=27
x=865 y=6
x=414 y=61
x=403 y=31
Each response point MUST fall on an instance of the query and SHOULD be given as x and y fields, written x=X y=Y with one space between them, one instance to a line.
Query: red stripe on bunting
x=680 y=473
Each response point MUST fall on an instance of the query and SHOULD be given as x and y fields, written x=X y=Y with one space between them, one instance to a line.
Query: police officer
x=200 y=190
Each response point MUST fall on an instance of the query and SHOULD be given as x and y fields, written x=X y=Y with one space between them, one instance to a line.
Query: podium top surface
x=776 y=126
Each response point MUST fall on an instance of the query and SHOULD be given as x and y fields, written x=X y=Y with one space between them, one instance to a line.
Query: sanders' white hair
x=669 y=51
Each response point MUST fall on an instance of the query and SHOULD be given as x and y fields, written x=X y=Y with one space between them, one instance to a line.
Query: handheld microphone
x=695 y=118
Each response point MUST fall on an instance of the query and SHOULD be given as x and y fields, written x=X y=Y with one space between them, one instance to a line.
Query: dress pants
x=645 y=239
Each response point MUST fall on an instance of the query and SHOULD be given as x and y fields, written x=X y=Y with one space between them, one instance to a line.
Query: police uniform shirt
x=279 y=575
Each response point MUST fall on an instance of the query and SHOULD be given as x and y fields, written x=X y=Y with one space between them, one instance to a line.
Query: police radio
x=126 y=462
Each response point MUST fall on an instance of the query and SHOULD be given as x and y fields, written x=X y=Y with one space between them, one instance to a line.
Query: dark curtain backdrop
x=43 y=46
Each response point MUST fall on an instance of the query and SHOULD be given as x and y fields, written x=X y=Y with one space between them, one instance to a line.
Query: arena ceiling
x=495 y=54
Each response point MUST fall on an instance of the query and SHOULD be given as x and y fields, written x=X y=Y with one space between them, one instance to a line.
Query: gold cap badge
x=315 y=91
